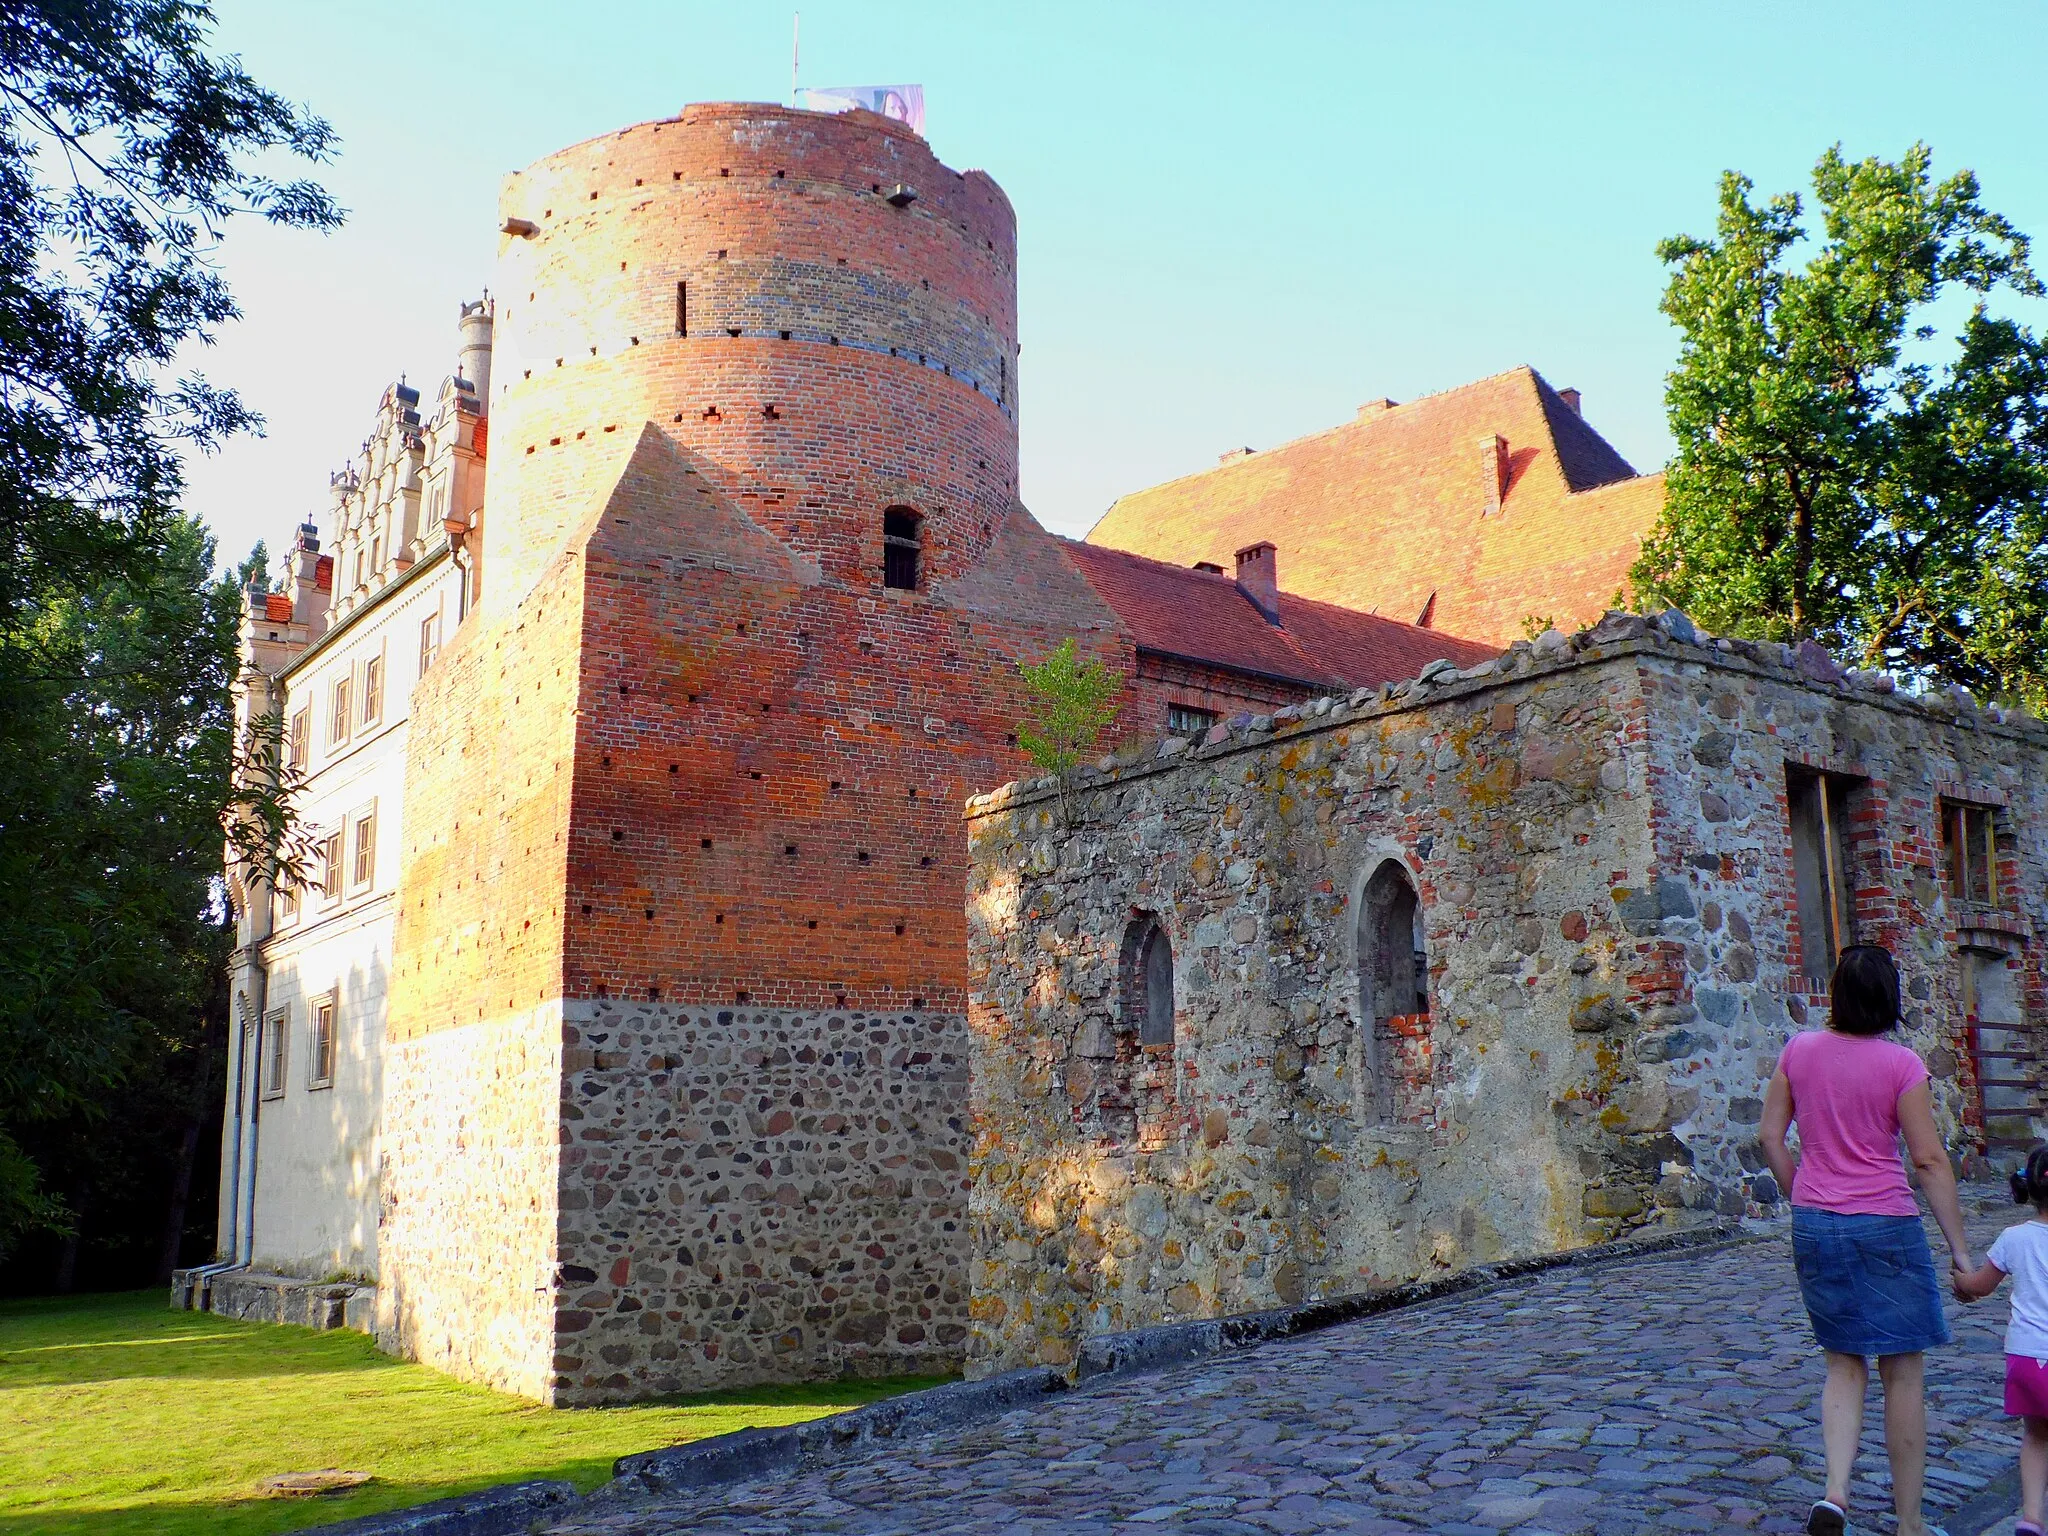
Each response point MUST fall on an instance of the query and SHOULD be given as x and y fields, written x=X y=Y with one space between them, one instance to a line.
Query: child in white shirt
x=2022 y=1252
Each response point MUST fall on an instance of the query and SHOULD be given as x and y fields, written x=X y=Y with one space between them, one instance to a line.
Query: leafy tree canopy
x=1840 y=474
x=127 y=146
x=125 y=149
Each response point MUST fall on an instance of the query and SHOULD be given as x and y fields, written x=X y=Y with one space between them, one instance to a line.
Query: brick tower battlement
x=815 y=310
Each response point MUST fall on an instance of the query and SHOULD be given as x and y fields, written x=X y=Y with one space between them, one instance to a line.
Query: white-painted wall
x=317 y=1144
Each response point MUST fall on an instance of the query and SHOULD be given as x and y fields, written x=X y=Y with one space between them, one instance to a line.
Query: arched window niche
x=1393 y=999
x=1146 y=970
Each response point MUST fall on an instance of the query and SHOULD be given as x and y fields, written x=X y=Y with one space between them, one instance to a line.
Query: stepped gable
x=1201 y=616
x=1413 y=502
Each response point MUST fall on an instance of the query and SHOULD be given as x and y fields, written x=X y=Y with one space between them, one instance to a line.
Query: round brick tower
x=811 y=305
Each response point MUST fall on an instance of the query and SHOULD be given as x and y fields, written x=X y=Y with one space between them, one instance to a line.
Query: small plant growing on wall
x=1072 y=702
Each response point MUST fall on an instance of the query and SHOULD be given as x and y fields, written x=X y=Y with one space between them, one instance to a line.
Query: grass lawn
x=119 y=1416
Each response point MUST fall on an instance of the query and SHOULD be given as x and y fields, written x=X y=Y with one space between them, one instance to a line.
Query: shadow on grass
x=52 y=1341
x=254 y=1516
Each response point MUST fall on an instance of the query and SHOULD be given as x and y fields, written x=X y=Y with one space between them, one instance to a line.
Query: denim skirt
x=1868 y=1282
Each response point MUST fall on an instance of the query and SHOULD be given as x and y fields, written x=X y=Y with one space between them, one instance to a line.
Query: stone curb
x=509 y=1510
x=755 y=1452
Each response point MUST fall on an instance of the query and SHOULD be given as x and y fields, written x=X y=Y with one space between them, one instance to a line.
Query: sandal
x=1826 y=1519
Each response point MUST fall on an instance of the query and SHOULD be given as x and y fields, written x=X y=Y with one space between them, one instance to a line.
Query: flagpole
x=796 y=23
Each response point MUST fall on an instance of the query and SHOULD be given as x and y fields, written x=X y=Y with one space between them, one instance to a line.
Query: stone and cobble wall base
x=758 y=1195
x=469 y=1200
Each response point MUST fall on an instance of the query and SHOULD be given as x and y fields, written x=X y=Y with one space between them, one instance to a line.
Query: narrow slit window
x=682 y=309
x=1819 y=805
x=902 y=548
x=1969 y=836
x=1396 y=1054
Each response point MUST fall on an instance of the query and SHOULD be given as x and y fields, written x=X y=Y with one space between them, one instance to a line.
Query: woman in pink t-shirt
x=1865 y=1270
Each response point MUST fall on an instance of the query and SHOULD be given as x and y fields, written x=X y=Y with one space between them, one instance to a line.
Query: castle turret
x=473 y=361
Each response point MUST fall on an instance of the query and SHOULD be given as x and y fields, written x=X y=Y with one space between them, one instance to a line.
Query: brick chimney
x=1571 y=398
x=1258 y=578
x=1493 y=477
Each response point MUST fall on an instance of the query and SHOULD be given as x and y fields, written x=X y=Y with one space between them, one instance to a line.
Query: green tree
x=1072 y=703
x=127 y=147
x=1840 y=476
x=113 y=927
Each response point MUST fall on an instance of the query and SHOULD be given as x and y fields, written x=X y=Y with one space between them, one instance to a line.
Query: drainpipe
x=457 y=529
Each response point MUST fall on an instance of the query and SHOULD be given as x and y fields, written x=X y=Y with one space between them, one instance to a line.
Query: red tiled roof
x=1199 y=616
x=277 y=607
x=1386 y=511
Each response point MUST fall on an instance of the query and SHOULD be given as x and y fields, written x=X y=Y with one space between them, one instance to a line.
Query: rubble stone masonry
x=1598 y=835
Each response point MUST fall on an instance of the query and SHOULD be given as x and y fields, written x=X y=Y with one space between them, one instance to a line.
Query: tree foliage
x=1840 y=475
x=1072 y=703
x=127 y=147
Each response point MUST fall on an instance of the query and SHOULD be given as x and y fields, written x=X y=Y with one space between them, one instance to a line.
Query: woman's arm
x=1976 y=1284
x=1777 y=1121
x=1937 y=1178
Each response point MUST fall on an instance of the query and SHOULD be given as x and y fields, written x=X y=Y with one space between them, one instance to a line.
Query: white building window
x=330 y=867
x=338 y=715
x=300 y=738
x=372 y=691
x=364 y=871
x=321 y=1020
x=276 y=1047
x=430 y=641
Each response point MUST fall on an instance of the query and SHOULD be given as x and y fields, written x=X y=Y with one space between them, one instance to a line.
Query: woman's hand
x=1974 y=1284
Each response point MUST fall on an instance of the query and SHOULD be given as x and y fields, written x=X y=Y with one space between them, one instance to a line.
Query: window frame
x=341 y=709
x=333 y=849
x=1962 y=846
x=898 y=547
x=370 y=681
x=1835 y=901
x=327 y=1006
x=1189 y=713
x=275 y=1036
x=361 y=850
x=430 y=640
x=299 y=739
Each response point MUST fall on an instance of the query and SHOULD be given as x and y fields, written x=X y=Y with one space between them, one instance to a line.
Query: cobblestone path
x=1674 y=1393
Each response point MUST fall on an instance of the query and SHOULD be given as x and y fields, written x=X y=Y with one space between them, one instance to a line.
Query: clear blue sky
x=1235 y=221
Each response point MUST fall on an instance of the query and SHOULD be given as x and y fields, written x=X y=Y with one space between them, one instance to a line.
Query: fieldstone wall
x=467 y=1228
x=758 y=1195
x=1596 y=829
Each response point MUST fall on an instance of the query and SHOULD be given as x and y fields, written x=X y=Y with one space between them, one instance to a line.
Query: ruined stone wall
x=1724 y=919
x=1596 y=830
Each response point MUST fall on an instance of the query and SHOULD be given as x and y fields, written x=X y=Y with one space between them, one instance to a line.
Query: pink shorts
x=2026 y=1387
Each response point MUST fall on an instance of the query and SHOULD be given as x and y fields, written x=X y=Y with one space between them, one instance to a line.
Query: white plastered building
x=336 y=655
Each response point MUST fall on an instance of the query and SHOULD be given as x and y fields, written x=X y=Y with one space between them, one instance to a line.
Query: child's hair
x=1864 y=996
x=2030 y=1184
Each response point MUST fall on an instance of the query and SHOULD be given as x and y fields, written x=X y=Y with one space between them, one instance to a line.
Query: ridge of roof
x=1431 y=397
x=1207 y=617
